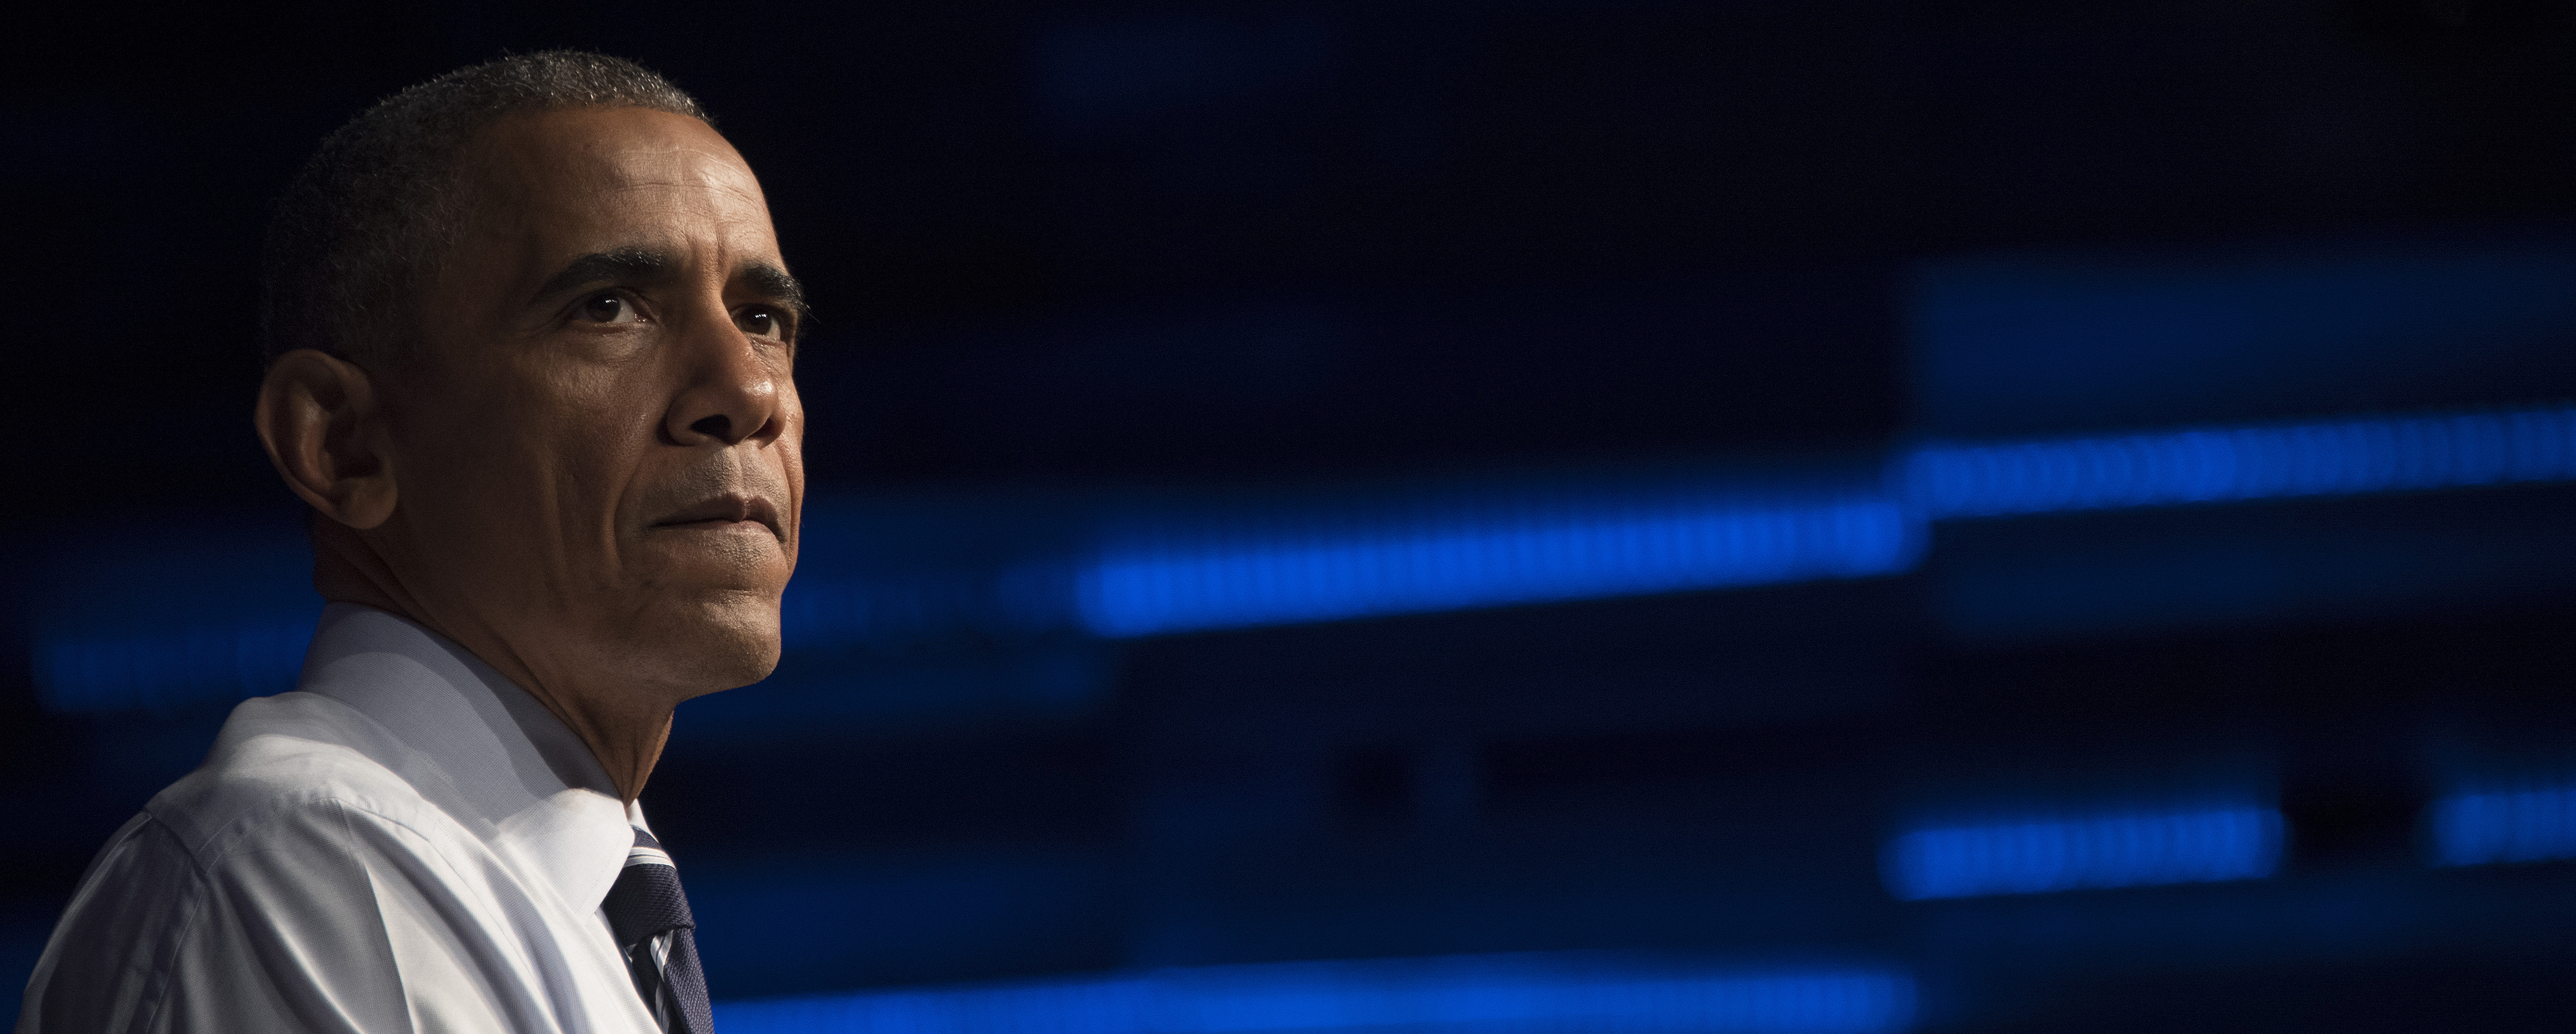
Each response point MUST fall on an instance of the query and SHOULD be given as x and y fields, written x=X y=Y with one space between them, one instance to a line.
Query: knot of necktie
x=646 y=900
x=643 y=906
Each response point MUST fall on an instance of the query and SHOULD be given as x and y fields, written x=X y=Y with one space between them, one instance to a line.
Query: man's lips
x=723 y=511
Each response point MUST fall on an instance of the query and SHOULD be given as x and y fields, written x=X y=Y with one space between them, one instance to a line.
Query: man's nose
x=730 y=394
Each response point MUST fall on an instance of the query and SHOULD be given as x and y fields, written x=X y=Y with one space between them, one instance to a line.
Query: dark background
x=1074 y=252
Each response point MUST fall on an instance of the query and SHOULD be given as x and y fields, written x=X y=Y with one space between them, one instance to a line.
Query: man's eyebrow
x=776 y=283
x=616 y=265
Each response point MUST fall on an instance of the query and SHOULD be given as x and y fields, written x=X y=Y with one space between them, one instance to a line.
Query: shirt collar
x=527 y=784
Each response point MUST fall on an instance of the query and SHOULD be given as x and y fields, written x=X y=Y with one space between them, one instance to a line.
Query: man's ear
x=318 y=417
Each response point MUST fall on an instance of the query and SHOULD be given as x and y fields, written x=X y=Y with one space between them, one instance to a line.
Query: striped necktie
x=650 y=918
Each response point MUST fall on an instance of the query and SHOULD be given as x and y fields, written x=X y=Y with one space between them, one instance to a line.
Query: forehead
x=582 y=178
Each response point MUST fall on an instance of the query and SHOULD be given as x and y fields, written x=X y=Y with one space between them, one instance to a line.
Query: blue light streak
x=832 y=607
x=1533 y=545
x=1489 y=559
x=172 y=670
x=2217 y=465
x=2062 y=339
x=2491 y=826
x=2121 y=849
x=1459 y=995
x=1498 y=556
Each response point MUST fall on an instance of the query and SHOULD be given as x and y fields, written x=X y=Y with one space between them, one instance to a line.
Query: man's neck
x=624 y=733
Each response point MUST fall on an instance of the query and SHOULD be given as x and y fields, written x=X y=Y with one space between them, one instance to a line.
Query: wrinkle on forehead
x=635 y=165
x=535 y=158
x=543 y=185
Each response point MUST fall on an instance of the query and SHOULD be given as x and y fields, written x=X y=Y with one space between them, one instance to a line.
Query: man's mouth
x=726 y=512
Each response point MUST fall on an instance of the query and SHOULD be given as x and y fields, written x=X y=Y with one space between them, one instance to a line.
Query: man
x=530 y=347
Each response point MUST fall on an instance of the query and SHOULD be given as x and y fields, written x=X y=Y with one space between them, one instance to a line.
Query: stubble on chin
x=692 y=644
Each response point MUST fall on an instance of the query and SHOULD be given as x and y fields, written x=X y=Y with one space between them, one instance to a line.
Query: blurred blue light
x=1338 y=561
x=171 y=670
x=831 y=607
x=1113 y=1006
x=2124 y=849
x=2491 y=826
x=2234 y=464
x=1486 y=559
x=1463 y=995
x=2042 y=341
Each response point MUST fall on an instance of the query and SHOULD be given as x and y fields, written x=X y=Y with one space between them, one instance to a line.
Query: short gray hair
x=353 y=239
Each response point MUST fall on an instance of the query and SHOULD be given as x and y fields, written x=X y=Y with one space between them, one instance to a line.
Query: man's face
x=599 y=447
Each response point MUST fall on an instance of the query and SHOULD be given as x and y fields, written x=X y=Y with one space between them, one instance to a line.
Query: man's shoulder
x=289 y=860
x=283 y=762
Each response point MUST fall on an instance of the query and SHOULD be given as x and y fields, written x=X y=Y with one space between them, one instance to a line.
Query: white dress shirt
x=407 y=842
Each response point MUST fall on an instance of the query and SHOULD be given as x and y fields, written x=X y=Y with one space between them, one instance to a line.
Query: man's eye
x=608 y=308
x=761 y=323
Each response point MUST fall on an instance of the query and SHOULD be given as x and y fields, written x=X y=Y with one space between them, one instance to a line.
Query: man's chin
x=714 y=646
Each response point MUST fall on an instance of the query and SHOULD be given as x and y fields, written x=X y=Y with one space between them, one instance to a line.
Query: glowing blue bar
x=1146 y=587
x=171 y=670
x=1112 y=1006
x=1483 y=560
x=2125 y=849
x=1507 y=994
x=2493 y=826
x=1477 y=553
x=822 y=607
x=2217 y=465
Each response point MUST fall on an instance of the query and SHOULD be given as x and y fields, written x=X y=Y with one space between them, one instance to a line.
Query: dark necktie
x=650 y=919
